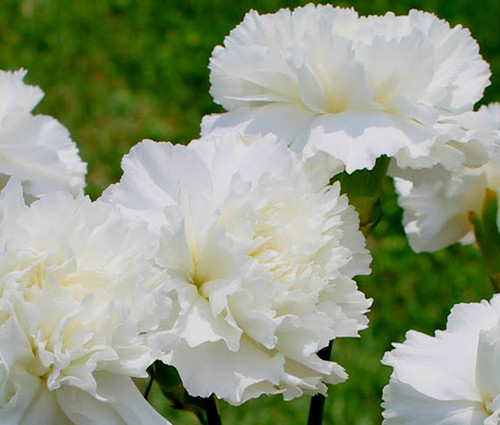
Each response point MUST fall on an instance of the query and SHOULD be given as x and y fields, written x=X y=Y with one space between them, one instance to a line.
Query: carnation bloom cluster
x=324 y=79
x=233 y=258
x=261 y=253
x=436 y=203
x=35 y=148
x=451 y=378
x=79 y=312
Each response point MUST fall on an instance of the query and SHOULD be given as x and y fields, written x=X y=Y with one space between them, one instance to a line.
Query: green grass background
x=118 y=71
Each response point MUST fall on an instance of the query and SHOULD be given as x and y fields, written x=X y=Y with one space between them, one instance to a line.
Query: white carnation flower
x=262 y=258
x=451 y=378
x=324 y=79
x=79 y=307
x=36 y=148
x=436 y=202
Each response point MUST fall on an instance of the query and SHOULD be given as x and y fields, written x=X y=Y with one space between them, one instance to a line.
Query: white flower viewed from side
x=36 y=148
x=436 y=202
x=324 y=79
x=78 y=309
x=262 y=255
x=451 y=378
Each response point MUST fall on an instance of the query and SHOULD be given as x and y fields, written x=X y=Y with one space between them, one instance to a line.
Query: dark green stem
x=213 y=417
x=318 y=401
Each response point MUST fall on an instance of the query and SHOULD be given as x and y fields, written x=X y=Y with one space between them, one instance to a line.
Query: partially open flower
x=36 y=148
x=324 y=79
x=79 y=308
x=262 y=254
x=451 y=378
x=436 y=202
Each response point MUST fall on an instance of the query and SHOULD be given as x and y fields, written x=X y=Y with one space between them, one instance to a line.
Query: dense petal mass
x=36 y=148
x=436 y=202
x=451 y=378
x=262 y=253
x=325 y=79
x=79 y=312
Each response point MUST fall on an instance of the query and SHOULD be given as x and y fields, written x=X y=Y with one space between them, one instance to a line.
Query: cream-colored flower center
x=276 y=234
x=52 y=289
x=196 y=275
x=492 y=408
x=282 y=235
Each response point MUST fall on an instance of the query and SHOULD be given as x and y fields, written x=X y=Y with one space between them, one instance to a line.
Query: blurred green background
x=118 y=71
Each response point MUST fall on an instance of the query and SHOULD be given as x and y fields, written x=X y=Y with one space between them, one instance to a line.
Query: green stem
x=317 y=405
x=212 y=412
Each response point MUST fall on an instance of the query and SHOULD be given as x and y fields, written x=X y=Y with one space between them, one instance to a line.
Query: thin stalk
x=213 y=417
x=318 y=401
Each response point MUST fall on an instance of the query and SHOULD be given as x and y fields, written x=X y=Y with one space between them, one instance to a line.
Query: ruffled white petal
x=358 y=138
x=79 y=297
x=436 y=202
x=451 y=378
x=36 y=148
x=45 y=410
x=324 y=79
x=261 y=254
x=233 y=376
x=440 y=367
x=404 y=405
x=123 y=405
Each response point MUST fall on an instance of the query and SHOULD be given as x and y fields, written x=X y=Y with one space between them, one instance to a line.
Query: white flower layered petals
x=36 y=148
x=436 y=202
x=467 y=140
x=262 y=255
x=80 y=309
x=451 y=378
x=324 y=79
